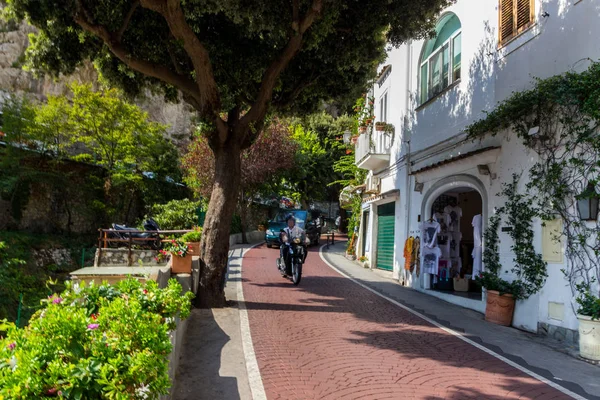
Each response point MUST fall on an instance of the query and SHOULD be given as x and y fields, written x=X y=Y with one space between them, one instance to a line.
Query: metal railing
x=377 y=142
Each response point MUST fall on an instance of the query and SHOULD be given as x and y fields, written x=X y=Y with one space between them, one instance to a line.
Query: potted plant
x=588 y=315
x=181 y=258
x=380 y=126
x=364 y=260
x=192 y=239
x=362 y=129
x=500 y=299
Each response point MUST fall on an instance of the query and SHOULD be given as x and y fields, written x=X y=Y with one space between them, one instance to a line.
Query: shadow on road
x=198 y=375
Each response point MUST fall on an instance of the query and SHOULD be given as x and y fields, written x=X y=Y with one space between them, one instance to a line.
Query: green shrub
x=589 y=303
x=94 y=342
x=194 y=236
x=176 y=214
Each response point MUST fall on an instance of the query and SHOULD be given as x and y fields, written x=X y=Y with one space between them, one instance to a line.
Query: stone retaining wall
x=120 y=257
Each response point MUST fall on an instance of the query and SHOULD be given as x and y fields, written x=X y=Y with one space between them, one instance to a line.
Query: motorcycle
x=121 y=232
x=296 y=251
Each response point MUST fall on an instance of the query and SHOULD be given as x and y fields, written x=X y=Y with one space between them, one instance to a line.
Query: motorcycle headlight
x=297 y=241
x=269 y=232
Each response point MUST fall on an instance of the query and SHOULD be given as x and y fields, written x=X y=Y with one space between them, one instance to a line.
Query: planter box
x=181 y=265
x=194 y=248
x=380 y=126
x=589 y=338
x=461 y=284
x=499 y=309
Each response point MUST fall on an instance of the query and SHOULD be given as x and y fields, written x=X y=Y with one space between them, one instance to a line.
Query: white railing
x=378 y=142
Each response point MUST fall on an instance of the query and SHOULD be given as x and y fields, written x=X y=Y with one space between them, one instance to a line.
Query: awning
x=454 y=159
x=387 y=195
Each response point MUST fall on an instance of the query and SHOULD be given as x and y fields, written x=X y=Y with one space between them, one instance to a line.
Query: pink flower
x=180 y=253
x=145 y=291
x=11 y=346
x=52 y=391
x=57 y=300
x=91 y=327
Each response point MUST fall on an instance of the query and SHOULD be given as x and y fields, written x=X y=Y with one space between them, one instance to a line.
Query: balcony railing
x=373 y=151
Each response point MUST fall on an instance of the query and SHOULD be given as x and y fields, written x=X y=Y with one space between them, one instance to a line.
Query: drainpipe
x=407 y=157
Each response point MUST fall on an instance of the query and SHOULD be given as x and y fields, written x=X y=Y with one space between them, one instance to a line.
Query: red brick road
x=331 y=339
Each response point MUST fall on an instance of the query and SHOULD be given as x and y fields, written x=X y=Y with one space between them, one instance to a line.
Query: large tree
x=234 y=61
x=262 y=165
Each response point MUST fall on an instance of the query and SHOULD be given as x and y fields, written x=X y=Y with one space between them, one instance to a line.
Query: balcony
x=373 y=151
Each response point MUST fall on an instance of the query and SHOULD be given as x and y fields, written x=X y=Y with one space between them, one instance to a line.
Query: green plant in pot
x=192 y=239
x=588 y=314
x=181 y=258
x=529 y=268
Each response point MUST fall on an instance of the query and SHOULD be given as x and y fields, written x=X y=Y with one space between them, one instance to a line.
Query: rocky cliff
x=14 y=79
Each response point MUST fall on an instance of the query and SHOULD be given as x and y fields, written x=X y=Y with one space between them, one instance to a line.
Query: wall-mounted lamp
x=535 y=131
x=545 y=14
x=419 y=186
x=587 y=203
x=347 y=136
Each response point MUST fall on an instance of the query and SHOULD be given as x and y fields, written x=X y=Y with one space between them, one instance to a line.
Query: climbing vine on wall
x=566 y=110
x=529 y=268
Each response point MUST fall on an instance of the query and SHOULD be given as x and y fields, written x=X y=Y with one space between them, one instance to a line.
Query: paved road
x=331 y=339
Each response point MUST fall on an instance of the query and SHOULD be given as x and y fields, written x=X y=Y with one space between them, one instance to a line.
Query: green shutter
x=385 y=236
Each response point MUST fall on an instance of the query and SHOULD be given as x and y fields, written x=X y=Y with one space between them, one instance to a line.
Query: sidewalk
x=213 y=365
x=527 y=350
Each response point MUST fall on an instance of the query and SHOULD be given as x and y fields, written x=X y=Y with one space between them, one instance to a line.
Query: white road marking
x=455 y=333
x=254 y=378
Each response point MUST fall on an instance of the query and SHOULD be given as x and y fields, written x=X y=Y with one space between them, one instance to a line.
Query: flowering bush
x=174 y=247
x=94 y=342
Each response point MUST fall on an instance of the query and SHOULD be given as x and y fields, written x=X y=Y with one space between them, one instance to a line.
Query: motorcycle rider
x=287 y=234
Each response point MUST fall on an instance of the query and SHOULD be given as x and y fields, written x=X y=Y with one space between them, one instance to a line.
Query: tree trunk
x=214 y=247
x=243 y=216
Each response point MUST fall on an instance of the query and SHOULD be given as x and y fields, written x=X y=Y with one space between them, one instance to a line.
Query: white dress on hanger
x=477 y=248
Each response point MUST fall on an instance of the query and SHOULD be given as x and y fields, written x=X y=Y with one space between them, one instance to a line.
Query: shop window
x=514 y=16
x=441 y=58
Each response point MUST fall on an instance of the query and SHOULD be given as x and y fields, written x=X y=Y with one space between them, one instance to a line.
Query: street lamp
x=587 y=203
x=347 y=136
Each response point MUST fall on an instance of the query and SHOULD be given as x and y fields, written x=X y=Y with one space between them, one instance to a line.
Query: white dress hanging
x=477 y=248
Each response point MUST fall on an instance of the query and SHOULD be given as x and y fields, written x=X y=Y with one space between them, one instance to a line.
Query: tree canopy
x=225 y=54
x=234 y=61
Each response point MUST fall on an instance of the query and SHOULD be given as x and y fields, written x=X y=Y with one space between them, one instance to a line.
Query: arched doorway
x=454 y=215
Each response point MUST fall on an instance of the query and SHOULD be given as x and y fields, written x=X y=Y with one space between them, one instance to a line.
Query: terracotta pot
x=499 y=309
x=589 y=338
x=194 y=248
x=380 y=127
x=362 y=129
x=181 y=265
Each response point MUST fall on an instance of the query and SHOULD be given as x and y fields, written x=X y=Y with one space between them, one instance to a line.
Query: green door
x=385 y=236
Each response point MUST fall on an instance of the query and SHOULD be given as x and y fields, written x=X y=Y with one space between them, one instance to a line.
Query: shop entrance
x=452 y=242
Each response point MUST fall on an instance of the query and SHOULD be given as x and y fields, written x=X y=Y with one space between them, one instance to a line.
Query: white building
x=430 y=91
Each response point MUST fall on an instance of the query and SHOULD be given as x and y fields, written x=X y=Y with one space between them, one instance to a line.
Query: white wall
x=565 y=40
